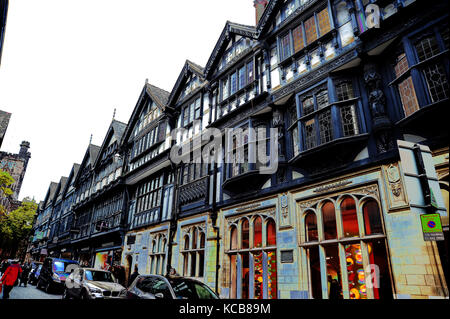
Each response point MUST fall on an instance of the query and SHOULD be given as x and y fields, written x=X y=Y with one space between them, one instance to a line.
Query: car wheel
x=84 y=295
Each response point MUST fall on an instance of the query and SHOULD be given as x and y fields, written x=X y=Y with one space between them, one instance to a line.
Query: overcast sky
x=67 y=64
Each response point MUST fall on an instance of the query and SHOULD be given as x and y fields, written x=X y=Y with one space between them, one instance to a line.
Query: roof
x=160 y=96
x=116 y=128
x=93 y=153
x=50 y=193
x=72 y=176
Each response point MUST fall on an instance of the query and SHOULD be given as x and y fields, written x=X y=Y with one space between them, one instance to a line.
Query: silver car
x=90 y=283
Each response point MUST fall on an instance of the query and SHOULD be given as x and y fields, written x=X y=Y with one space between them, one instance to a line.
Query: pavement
x=31 y=292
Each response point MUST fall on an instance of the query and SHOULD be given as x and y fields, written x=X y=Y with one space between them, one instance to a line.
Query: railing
x=194 y=191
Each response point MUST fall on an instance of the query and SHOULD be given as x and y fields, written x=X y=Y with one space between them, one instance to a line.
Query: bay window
x=343 y=23
x=421 y=78
x=322 y=117
x=148 y=201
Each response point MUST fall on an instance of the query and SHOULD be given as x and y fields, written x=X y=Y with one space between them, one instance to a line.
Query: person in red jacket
x=9 y=278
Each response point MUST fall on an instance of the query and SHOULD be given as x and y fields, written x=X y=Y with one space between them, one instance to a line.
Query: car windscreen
x=188 y=289
x=99 y=276
x=153 y=285
x=60 y=266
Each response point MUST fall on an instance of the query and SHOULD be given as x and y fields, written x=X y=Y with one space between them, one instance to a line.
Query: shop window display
x=347 y=254
x=253 y=264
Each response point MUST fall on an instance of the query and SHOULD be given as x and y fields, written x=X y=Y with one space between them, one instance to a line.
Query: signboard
x=431 y=227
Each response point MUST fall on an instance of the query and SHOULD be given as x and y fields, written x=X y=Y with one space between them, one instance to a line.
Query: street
x=31 y=292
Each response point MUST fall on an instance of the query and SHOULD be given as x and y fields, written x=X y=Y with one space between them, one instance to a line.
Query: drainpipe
x=173 y=220
x=216 y=228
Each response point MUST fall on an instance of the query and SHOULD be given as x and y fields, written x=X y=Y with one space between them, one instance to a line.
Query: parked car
x=90 y=283
x=53 y=273
x=34 y=273
x=169 y=287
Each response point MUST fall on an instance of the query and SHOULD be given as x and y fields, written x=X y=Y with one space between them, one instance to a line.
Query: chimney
x=24 y=149
x=260 y=6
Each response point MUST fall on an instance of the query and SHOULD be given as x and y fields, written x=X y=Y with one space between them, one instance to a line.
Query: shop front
x=106 y=258
x=250 y=251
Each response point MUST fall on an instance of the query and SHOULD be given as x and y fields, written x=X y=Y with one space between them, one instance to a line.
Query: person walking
x=9 y=278
x=26 y=268
x=133 y=275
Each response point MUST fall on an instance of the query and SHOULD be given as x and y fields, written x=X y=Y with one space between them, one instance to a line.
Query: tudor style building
x=323 y=208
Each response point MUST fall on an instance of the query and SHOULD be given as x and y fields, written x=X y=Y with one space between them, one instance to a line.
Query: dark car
x=34 y=273
x=54 y=273
x=169 y=287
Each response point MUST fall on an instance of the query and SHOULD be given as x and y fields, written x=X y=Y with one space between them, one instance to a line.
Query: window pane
x=310 y=30
x=295 y=141
x=324 y=21
x=311 y=227
x=310 y=134
x=381 y=281
x=297 y=34
x=355 y=270
x=342 y=13
x=349 y=219
x=285 y=47
x=242 y=77
x=233 y=83
x=314 y=273
x=233 y=238
x=408 y=96
x=257 y=227
x=346 y=34
x=322 y=99
x=271 y=233
x=258 y=277
x=329 y=221
x=334 y=277
x=372 y=219
x=245 y=233
x=437 y=82
x=427 y=48
x=272 y=275
x=202 y=240
x=233 y=293
x=193 y=263
x=344 y=91
x=308 y=106
x=325 y=127
x=194 y=238
x=349 y=122
x=201 y=262
x=186 y=243
x=250 y=76
x=245 y=275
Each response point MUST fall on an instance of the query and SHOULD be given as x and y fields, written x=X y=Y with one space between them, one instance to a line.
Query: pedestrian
x=133 y=275
x=3 y=267
x=10 y=277
x=26 y=268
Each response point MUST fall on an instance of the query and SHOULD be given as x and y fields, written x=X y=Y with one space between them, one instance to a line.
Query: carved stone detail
x=394 y=187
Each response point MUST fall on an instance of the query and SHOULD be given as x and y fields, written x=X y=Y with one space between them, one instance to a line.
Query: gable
x=150 y=105
x=234 y=41
x=190 y=78
x=88 y=161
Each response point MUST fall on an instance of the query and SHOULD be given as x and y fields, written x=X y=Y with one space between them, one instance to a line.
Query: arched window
x=311 y=227
x=271 y=233
x=329 y=221
x=245 y=233
x=257 y=232
x=186 y=242
x=372 y=220
x=154 y=246
x=194 y=238
x=349 y=218
x=233 y=238
x=202 y=240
